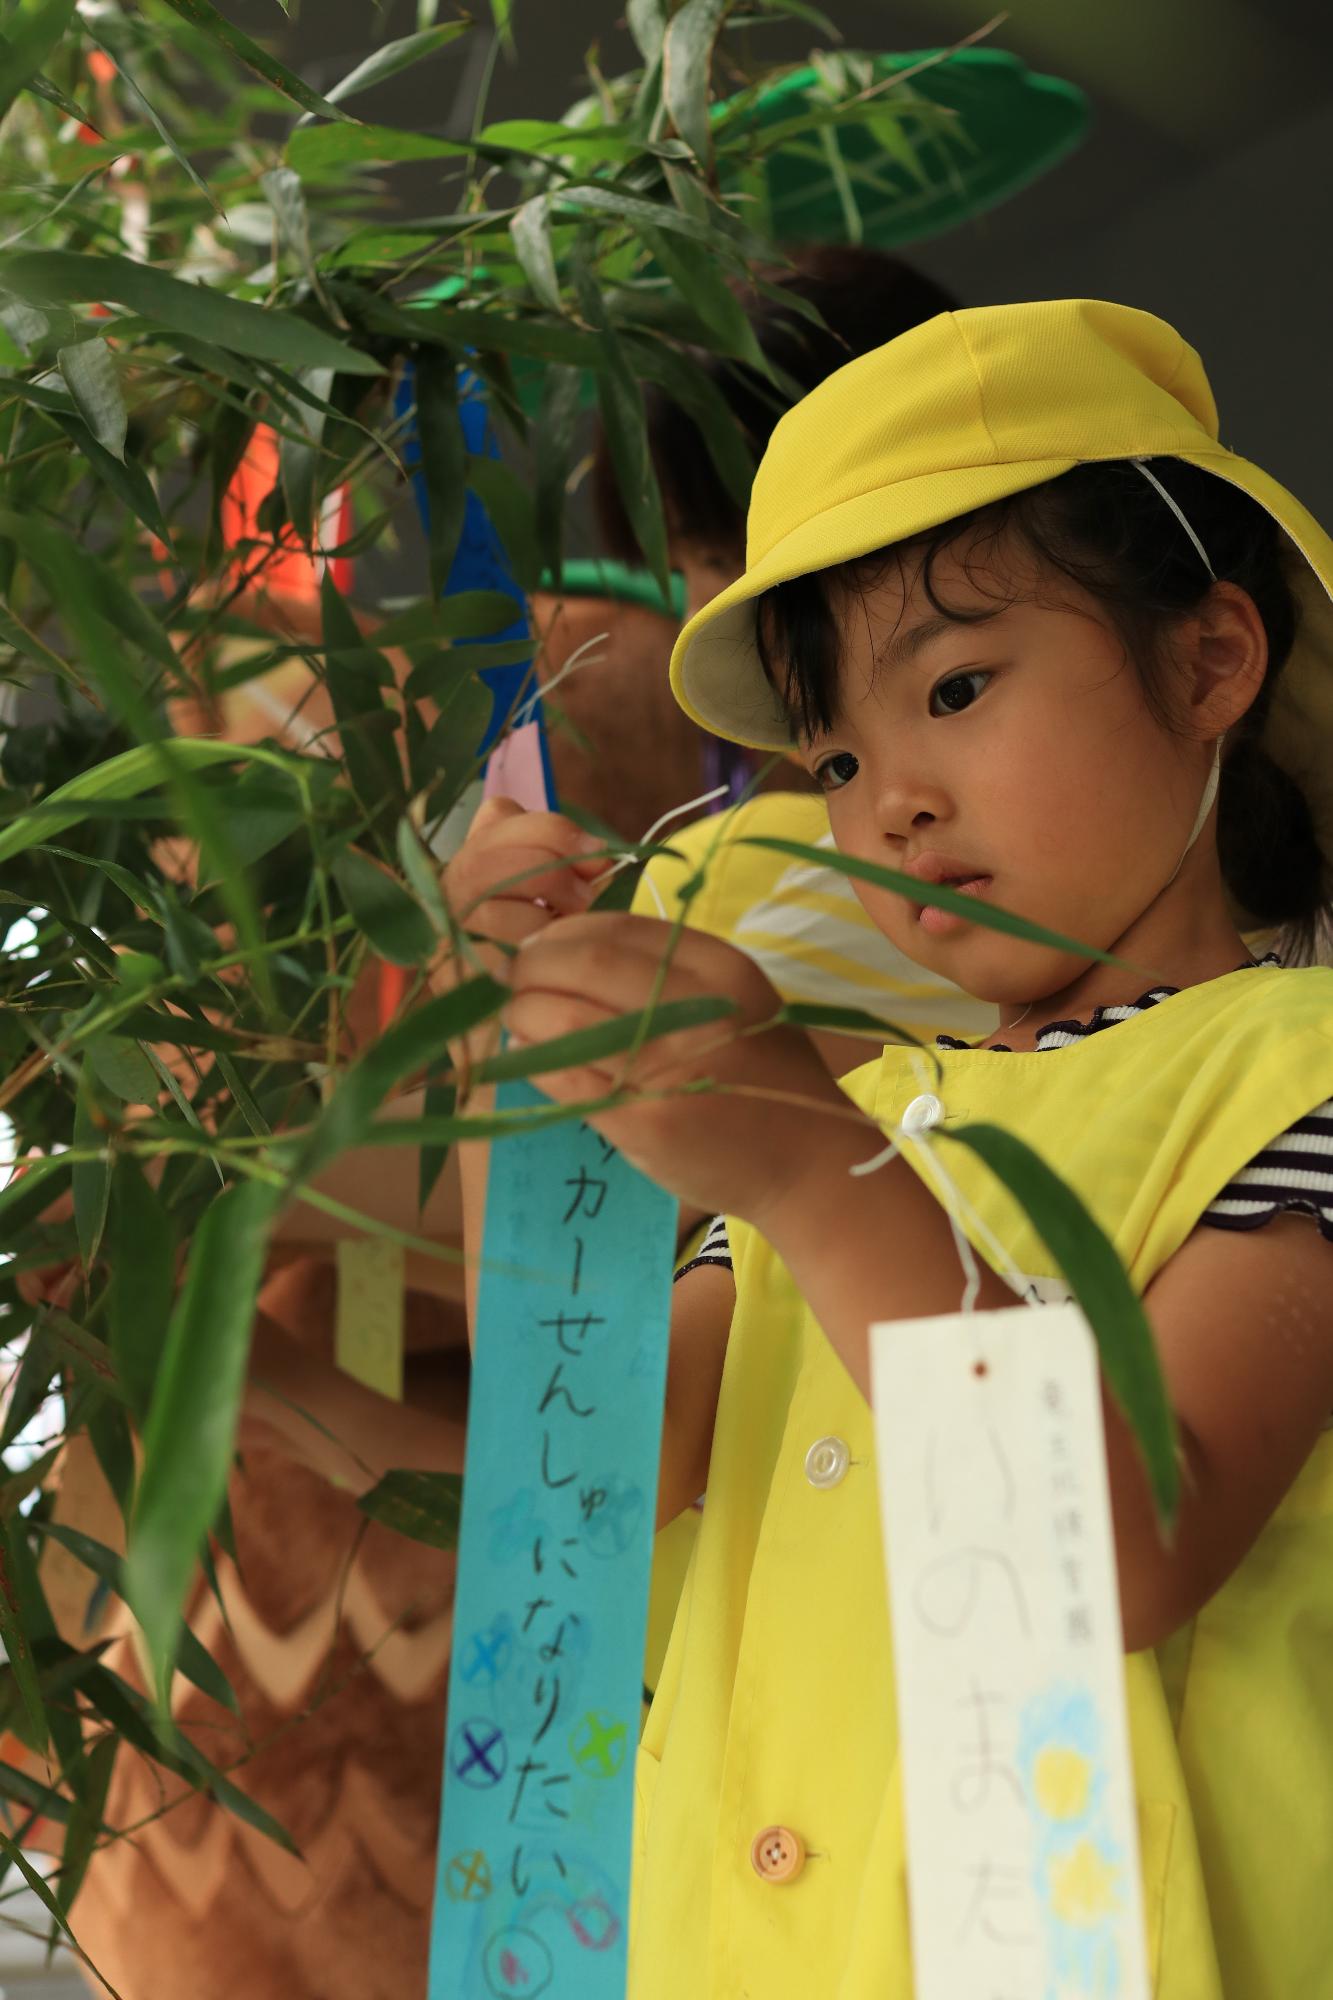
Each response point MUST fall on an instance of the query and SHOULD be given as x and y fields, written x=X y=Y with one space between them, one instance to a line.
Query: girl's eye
x=952 y=696
x=837 y=771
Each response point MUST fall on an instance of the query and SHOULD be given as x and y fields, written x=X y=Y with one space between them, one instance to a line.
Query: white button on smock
x=826 y=1462
x=922 y=1113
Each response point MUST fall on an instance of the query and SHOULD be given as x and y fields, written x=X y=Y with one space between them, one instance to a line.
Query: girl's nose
x=907 y=808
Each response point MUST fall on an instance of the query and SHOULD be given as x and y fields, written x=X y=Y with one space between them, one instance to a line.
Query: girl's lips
x=937 y=922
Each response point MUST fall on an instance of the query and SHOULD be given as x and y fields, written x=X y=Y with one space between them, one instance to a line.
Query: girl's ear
x=1226 y=658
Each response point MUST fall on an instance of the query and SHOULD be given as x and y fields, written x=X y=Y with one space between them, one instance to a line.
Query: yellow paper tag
x=368 y=1338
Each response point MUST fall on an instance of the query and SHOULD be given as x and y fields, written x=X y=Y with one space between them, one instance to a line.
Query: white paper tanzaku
x=1023 y=1869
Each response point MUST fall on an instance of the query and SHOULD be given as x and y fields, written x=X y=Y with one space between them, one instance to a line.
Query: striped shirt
x=1293 y=1174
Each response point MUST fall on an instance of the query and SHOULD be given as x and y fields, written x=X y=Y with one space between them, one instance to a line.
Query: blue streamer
x=559 y=1499
x=481 y=561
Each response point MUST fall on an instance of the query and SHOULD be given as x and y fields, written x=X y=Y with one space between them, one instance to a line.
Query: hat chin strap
x=1201 y=817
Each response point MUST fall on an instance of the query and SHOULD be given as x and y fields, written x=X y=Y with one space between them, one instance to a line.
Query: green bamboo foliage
x=192 y=246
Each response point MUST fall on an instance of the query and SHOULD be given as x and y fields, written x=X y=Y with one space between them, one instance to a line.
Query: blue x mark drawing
x=479 y=1755
x=487 y=1654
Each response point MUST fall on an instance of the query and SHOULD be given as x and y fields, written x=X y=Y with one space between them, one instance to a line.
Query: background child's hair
x=1105 y=528
x=864 y=297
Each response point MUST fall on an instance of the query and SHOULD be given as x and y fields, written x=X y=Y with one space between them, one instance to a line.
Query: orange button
x=778 y=1854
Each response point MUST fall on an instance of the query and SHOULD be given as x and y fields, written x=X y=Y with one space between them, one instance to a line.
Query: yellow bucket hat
x=966 y=410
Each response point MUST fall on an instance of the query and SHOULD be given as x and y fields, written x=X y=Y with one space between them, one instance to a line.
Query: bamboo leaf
x=936 y=894
x=92 y=594
x=1103 y=1289
x=700 y=280
x=562 y=395
x=89 y=370
x=392 y=57
x=508 y=501
x=191 y=1428
x=425 y=1506
x=590 y=1045
x=69 y=277
x=90 y=1178
x=443 y=460
x=397 y=927
x=127 y=776
x=531 y=231
x=43 y=1801
x=286 y=197
x=42 y=1892
x=33 y=32
x=116 y=1702
x=130 y=82
x=203 y=15
x=813 y=1014
x=488 y=1125
x=197 y=1664
x=313 y=149
x=414 y=1043
x=619 y=890
x=125 y=477
x=465 y=614
x=299 y=456
x=422 y=872
x=356 y=674
x=141 y=1243
x=695 y=392
x=439 y=1100
x=641 y=214
x=687 y=60
x=646 y=21
x=15 y=1630
x=122 y=1068
x=42 y=86
x=627 y=435
x=86 y=1822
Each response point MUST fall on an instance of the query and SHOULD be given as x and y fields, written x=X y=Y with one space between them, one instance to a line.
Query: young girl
x=1016 y=605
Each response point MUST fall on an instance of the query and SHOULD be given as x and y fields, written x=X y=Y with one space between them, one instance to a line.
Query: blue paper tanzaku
x=559 y=1499
x=559 y=1496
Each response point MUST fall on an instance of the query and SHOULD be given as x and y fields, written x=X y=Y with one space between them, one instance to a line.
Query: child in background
x=1018 y=609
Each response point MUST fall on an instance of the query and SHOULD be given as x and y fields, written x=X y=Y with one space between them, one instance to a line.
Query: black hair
x=865 y=298
x=1105 y=528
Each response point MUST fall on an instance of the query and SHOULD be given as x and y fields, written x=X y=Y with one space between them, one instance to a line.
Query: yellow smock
x=776 y=1704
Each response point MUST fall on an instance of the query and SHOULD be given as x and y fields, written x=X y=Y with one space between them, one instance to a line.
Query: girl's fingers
x=522 y=857
x=620 y=959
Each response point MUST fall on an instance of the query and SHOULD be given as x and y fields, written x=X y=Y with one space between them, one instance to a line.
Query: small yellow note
x=368 y=1335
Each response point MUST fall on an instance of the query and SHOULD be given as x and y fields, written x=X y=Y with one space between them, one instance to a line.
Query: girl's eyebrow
x=904 y=647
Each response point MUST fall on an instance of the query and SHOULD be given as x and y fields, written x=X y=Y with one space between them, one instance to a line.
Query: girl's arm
x=701 y=1309
x=337 y=1427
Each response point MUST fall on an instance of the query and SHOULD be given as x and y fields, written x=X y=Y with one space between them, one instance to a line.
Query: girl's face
x=1015 y=757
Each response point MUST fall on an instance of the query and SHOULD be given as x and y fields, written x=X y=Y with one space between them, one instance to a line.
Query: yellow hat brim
x=717 y=675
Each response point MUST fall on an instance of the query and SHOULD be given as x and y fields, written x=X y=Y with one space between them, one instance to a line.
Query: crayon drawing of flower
x=1078 y=1865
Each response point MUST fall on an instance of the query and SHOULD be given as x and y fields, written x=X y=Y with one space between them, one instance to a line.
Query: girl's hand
x=549 y=855
x=551 y=858
x=748 y=1146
